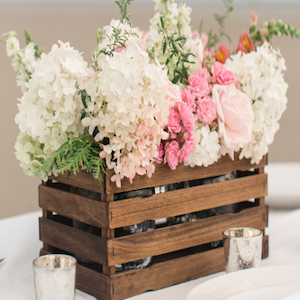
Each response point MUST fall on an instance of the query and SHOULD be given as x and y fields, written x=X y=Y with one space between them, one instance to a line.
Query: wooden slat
x=155 y=277
x=173 y=238
x=136 y=210
x=90 y=281
x=82 y=180
x=169 y=273
x=72 y=240
x=73 y=206
x=164 y=175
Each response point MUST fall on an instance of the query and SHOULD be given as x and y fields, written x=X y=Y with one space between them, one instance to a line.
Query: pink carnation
x=206 y=110
x=160 y=150
x=188 y=98
x=174 y=121
x=199 y=83
x=222 y=75
x=172 y=150
x=187 y=147
x=187 y=117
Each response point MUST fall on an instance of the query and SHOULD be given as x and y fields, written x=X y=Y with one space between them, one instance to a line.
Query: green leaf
x=164 y=47
x=162 y=23
x=184 y=72
x=181 y=38
x=176 y=78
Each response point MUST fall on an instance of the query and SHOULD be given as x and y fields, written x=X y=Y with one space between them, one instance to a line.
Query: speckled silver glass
x=242 y=248
x=54 y=277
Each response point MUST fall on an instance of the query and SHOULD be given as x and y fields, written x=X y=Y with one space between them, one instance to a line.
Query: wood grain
x=136 y=210
x=182 y=236
x=164 y=175
x=73 y=206
x=72 y=240
x=82 y=180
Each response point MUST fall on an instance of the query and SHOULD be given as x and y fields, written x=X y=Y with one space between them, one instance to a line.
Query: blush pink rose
x=172 y=154
x=221 y=74
x=199 y=83
x=186 y=116
x=235 y=117
x=206 y=110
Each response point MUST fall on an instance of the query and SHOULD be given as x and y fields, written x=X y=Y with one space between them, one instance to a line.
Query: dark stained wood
x=164 y=175
x=182 y=236
x=136 y=210
x=82 y=180
x=167 y=273
x=72 y=240
x=265 y=248
x=48 y=215
x=108 y=234
x=73 y=206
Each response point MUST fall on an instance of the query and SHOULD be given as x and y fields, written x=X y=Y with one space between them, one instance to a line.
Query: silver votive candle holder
x=242 y=248
x=54 y=277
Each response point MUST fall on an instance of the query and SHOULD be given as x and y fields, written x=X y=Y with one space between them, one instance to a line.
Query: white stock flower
x=207 y=148
x=260 y=74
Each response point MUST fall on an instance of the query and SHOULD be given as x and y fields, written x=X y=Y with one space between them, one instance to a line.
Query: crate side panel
x=164 y=175
x=83 y=180
x=72 y=240
x=170 y=272
x=182 y=236
x=167 y=273
x=73 y=206
x=136 y=210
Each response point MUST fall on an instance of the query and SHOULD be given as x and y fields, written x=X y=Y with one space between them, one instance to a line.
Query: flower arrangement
x=169 y=95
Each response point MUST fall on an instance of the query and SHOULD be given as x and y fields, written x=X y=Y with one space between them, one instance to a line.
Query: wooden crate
x=172 y=247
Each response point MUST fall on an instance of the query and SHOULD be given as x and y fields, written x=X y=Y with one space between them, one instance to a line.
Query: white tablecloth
x=20 y=245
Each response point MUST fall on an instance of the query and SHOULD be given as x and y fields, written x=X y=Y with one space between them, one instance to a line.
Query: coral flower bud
x=253 y=19
x=264 y=32
x=222 y=54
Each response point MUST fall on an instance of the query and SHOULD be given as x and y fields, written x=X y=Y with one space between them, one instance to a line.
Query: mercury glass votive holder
x=242 y=248
x=54 y=277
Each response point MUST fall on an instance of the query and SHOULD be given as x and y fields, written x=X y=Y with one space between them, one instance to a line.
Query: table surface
x=20 y=245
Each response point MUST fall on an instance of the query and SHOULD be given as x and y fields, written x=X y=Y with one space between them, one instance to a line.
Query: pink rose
x=206 y=110
x=186 y=116
x=187 y=147
x=174 y=121
x=172 y=156
x=235 y=117
x=199 y=83
x=188 y=98
x=222 y=75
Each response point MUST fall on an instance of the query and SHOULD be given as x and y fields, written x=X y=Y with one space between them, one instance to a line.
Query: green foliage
x=213 y=38
x=79 y=152
x=175 y=46
x=36 y=48
x=269 y=29
x=118 y=38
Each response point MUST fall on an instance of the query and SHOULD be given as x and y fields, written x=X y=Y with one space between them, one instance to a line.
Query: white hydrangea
x=207 y=148
x=130 y=106
x=30 y=154
x=50 y=109
x=176 y=20
x=260 y=74
x=23 y=60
